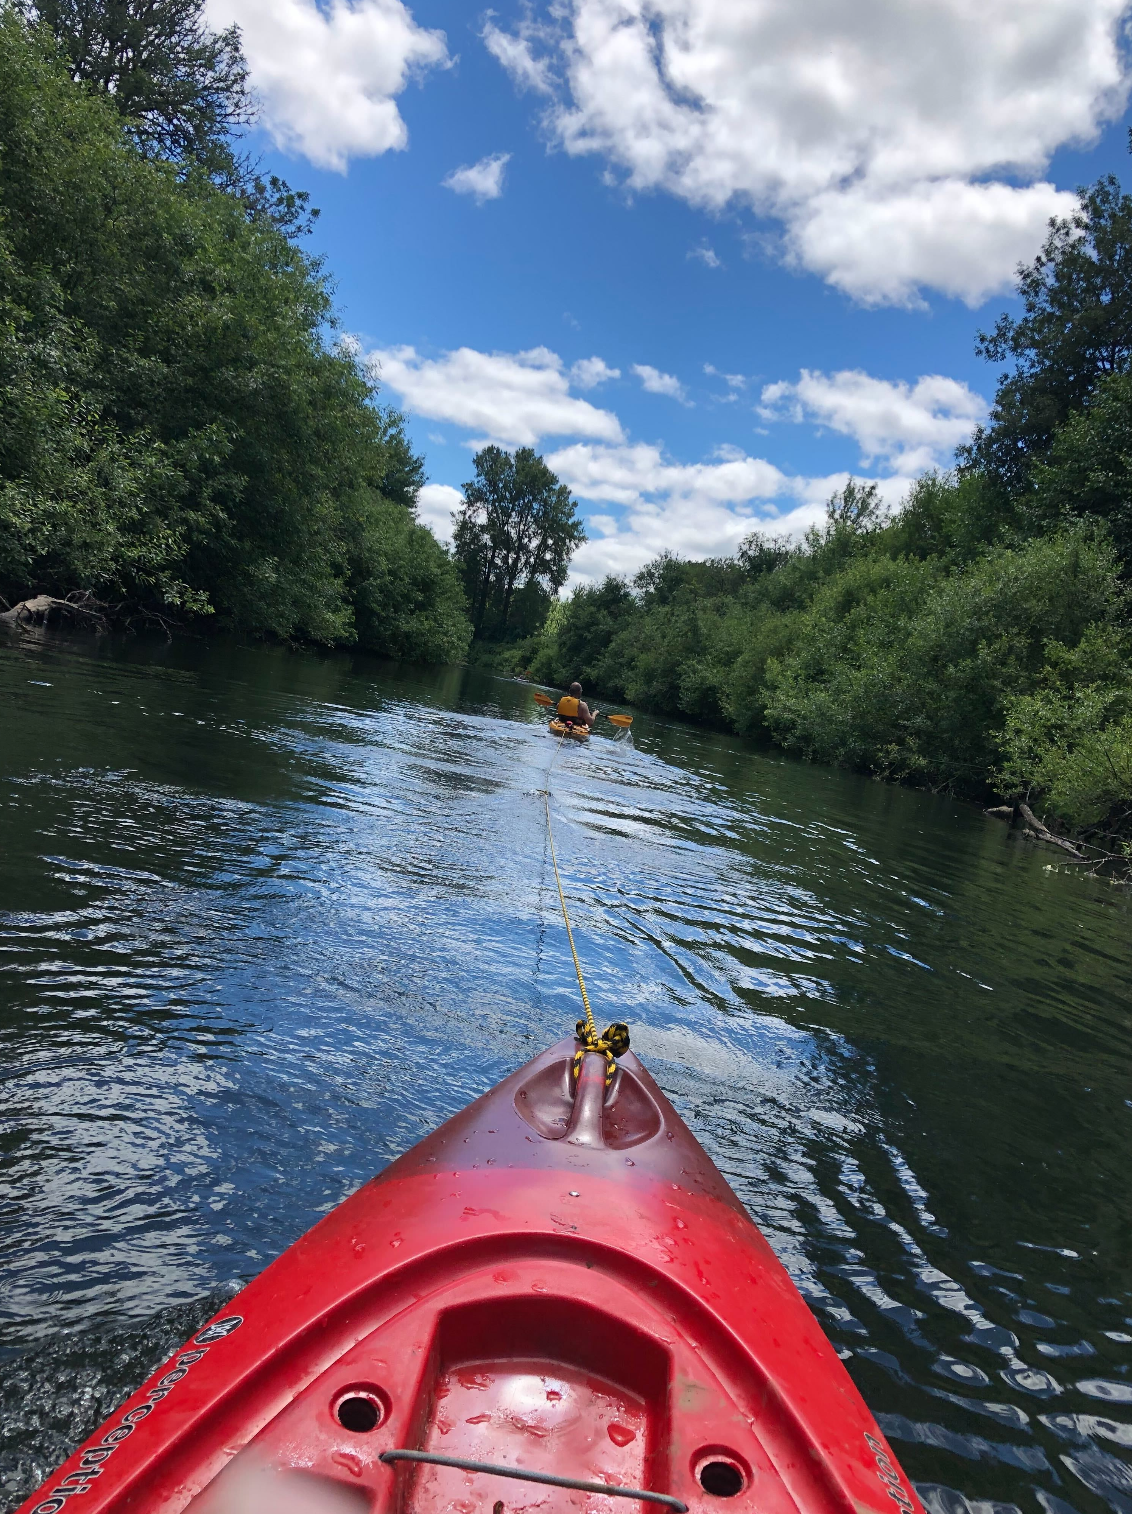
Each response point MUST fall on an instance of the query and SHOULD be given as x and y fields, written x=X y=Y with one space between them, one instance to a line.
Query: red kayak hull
x=556 y=1283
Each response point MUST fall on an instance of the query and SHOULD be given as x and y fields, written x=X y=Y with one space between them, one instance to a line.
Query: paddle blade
x=623 y=720
x=543 y=699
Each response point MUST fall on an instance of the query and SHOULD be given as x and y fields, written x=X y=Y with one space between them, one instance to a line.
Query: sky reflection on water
x=267 y=918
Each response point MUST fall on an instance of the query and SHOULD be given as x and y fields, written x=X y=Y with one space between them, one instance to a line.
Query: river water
x=266 y=918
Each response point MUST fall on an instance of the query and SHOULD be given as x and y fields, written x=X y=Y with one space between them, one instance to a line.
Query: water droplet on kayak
x=552 y=1395
x=478 y=1419
x=353 y=1464
x=620 y=1435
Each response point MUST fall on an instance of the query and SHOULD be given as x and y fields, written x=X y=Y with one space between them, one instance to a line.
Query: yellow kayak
x=560 y=728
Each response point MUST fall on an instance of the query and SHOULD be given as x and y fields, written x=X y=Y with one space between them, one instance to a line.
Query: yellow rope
x=590 y=1024
x=616 y=1038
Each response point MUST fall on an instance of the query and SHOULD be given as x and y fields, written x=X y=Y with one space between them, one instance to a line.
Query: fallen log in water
x=1043 y=833
x=42 y=608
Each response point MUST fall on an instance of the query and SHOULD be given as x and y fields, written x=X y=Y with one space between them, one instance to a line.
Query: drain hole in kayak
x=360 y=1409
x=722 y=1479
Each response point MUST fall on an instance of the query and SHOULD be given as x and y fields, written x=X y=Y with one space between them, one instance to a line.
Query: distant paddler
x=573 y=717
x=574 y=711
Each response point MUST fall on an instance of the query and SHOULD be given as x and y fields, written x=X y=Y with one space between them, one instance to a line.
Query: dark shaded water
x=266 y=918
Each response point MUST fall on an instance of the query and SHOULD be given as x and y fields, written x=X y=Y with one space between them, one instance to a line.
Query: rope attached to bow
x=615 y=1040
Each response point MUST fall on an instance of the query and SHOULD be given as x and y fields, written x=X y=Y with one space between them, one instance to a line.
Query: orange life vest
x=568 y=708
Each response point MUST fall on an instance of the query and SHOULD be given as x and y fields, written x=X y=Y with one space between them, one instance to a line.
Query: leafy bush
x=903 y=669
x=1089 y=467
x=1067 y=746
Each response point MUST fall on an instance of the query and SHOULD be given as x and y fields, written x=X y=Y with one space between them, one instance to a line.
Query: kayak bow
x=555 y=1288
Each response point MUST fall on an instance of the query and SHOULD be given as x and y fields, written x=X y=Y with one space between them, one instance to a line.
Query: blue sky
x=776 y=223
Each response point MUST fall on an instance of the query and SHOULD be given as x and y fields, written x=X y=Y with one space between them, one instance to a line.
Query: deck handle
x=547 y=1477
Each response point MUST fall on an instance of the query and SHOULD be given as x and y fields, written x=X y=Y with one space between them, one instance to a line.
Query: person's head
x=575 y=691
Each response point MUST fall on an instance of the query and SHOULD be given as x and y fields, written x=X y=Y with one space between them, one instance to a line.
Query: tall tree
x=178 y=434
x=1075 y=330
x=180 y=86
x=516 y=531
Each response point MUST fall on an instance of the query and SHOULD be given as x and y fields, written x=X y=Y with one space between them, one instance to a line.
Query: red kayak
x=553 y=1303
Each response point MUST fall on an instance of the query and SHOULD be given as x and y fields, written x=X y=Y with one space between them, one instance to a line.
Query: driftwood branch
x=1001 y=811
x=1043 y=833
x=43 y=608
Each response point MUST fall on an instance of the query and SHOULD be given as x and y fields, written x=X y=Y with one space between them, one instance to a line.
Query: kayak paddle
x=621 y=720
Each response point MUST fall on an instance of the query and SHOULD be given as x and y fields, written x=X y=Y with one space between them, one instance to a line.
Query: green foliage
x=408 y=602
x=1089 y=467
x=176 y=435
x=952 y=517
x=1075 y=330
x=515 y=534
x=179 y=86
x=1067 y=746
x=903 y=669
x=578 y=637
x=897 y=646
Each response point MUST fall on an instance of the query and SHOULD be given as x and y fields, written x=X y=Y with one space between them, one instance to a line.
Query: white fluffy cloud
x=706 y=255
x=518 y=58
x=328 y=75
x=435 y=505
x=636 y=500
x=588 y=372
x=484 y=179
x=962 y=239
x=514 y=398
x=732 y=380
x=887 y=139
x=656 y=382
x=697 y=509
x=907 y=427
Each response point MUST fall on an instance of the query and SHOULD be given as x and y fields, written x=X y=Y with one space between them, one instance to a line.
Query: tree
x=1075 y=330
x=856 y=509
x=1088 y=469
x=177 y=434
x=515 y=534
x=180 y=86
x=403 y=473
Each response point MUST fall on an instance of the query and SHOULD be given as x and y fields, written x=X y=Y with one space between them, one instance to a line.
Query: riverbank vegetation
x=182 y=438
x=976 y=640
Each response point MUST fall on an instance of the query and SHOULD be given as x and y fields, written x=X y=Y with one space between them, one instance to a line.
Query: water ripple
x=265 y=919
